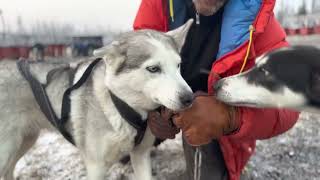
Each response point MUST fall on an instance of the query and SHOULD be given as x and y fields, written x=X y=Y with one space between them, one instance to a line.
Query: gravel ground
x=294 y=155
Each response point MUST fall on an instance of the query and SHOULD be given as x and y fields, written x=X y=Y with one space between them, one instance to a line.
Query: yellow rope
x=171 y=10
x=251 y=29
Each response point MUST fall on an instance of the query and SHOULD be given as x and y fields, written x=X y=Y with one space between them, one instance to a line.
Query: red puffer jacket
x=256 y=124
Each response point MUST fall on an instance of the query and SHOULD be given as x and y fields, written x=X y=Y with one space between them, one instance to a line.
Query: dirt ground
x=294 y=155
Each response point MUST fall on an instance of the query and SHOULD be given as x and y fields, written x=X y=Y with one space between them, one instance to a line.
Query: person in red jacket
x=225 y=39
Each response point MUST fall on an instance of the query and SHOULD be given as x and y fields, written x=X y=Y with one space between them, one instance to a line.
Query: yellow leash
x=251 y=29
x=171 y=10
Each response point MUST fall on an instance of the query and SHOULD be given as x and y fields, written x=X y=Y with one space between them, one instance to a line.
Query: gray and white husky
x=142 y=68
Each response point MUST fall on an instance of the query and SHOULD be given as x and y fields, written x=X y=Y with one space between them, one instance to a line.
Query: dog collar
x=131 y=116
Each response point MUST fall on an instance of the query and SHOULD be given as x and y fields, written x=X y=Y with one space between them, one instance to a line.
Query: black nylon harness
x=131 y=116
x=41 y=97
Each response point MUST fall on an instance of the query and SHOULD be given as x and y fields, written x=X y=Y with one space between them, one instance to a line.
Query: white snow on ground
x=294 y=155
x=53 y=158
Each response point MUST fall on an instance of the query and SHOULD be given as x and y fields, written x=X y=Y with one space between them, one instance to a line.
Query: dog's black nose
x=186 y=99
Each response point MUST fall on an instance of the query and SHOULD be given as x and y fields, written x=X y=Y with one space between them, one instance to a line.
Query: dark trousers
x=213 y=166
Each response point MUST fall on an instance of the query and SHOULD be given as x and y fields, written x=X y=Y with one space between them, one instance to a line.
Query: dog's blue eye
x=154 y=69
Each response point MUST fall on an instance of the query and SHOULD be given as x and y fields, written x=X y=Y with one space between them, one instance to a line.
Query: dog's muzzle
x=186 y=99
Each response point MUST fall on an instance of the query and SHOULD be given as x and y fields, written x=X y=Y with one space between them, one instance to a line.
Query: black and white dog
x=285 y=78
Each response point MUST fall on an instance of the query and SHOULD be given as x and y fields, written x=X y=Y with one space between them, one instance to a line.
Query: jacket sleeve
x=263 y=123
x=151 y=15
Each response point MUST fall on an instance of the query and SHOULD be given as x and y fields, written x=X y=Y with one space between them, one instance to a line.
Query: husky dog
x=141 y=68
x=284 y=78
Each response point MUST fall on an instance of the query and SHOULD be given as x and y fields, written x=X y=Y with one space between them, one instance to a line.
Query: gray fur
x=136 y=48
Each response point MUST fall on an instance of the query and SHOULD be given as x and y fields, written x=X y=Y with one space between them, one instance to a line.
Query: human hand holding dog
x=206 y=120
x=160 y=124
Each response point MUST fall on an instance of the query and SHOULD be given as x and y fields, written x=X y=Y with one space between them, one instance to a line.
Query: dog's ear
x=179 y=35
x=113 y=54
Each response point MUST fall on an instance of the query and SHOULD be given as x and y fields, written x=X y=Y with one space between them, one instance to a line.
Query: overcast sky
x=117 y=14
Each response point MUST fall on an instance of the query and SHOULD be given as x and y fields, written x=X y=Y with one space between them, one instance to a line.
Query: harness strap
x=38 y=90
x=66 y=102
x=42 y=99
x=131 y=116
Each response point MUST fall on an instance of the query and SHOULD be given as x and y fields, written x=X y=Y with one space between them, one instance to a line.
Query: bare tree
x=51 y=32
x=3 y=25
x=303 y=9
x=315 y=6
